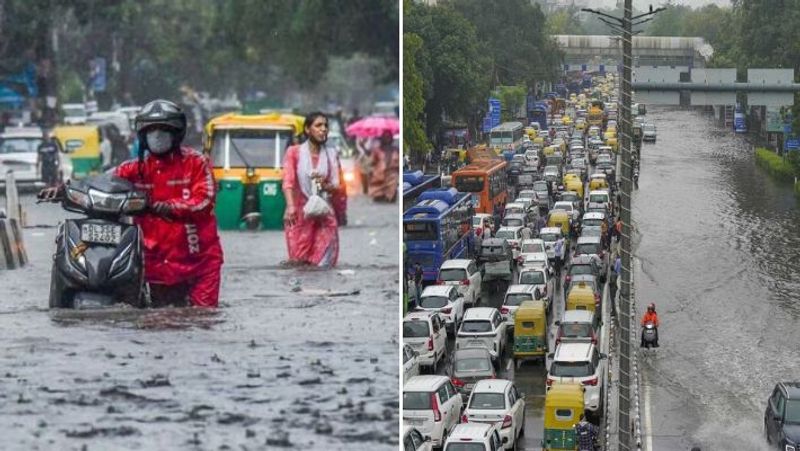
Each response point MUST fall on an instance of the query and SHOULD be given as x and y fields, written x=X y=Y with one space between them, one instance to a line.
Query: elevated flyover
x=595 y=50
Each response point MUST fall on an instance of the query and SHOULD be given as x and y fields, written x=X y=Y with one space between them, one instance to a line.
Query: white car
x=120 y=120
x=601 y=196
x=580 y=363
x=410 y=363
x=445 y=300
x=512 y=234
x=515 y=295
x=514 y=208
x=431 y=405
x=550 y=235
x=498 y=401
x=426 y=333
x=567 y=206
x=414 y=441
x=74 y=113
x=527 y=194
x=538 y=278
x=592 y=246
x=480 y=222
x=532 y=250
x=483 y=327
x=474 y=437
x=19 y=153
x=464 y=274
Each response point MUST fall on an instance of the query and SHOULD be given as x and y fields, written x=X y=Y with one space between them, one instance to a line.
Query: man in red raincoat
x=183 y=254
x=182 y=251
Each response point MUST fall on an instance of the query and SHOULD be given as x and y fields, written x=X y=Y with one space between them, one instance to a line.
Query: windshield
x=469 y=183
x=416 y=400
x=473 y=364
x=420 y=231
x=571 y=369
x=248 y=147
x=531 y=278
x=465 y=447
x=576 y=330
x=792 y=414
x=476 y=326
x=415 y=329
x=74 y=111
x=569 y=197
x=513 y=222
x=527 y=195
x=476 y=222
x=433 y=302
x=529 y=248
x=505 y=234
x=588 y=248
x=487 y=401
x=599 y=198
x=592 y=222
x=549 y=237
x=540 y=186
x=515 y=299
x=452 y=274
x=576 y=270
x=19 y=145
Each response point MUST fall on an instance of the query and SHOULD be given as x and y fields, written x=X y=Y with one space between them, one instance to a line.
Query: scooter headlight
x=79 y=198
x=134 y=205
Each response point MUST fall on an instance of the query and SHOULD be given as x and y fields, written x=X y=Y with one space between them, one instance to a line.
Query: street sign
x=97 y=74
x=487 y=124
x=792 y=143
x=494 y=111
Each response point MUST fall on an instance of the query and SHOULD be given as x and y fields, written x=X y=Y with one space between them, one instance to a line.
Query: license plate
x=101 y=233
x=414 y=421
x=476 y=343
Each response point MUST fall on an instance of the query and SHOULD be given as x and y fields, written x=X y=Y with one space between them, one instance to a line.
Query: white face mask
x=159 y=141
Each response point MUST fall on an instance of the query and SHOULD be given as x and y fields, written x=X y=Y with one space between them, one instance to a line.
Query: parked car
x=432 y=405
x=782 y=416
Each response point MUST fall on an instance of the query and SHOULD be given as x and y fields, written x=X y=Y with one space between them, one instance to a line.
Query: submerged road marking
x=648 y=426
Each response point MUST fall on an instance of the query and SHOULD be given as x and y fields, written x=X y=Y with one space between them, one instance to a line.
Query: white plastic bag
x=316 y=207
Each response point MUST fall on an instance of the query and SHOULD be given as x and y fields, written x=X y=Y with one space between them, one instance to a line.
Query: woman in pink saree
x=311 y=241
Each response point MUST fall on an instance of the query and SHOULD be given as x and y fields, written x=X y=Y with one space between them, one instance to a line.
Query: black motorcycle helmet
x=162 y=113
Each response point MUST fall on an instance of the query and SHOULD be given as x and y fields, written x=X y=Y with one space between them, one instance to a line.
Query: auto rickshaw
x=459 y=154
x=82 y=144
x=613 y=143
x=247 y=154
x=549 y=150
x=563 y=405
x=581 y=297
x=598 y=181
x=575 y=185
x=539 y=140
x=560 y=219
x=531 y=132
x=569 y=176
x=530 y=331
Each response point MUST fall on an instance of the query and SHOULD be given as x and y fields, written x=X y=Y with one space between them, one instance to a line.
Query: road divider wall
x=12 y=247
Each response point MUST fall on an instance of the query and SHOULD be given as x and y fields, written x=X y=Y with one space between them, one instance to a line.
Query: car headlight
x=79 y=198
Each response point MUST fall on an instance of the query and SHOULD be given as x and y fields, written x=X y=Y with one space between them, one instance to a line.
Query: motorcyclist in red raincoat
x=183 y=254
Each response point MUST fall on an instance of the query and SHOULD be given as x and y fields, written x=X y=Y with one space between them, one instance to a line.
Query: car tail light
x=430 y=344
x=594 y=339
x=504 y=310
x=479 y=231
x=520 y=260
x=446 y=310
x=506 y=422
x=592 y=381
x=437 y=414
x=549 y=382
x=545 y=291
x=465 y=282
x=439 y=282
x=567 y=278
x=559 y=335
x=457 y=382
x=464 y=418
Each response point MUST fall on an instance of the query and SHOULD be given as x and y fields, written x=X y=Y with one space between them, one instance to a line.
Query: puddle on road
x=148 y=319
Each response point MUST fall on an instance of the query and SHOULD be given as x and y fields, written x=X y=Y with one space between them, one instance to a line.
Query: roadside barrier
x=11 y=240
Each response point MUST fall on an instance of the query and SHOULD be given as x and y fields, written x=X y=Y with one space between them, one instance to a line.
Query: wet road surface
x=717 y=252
x=295 y=359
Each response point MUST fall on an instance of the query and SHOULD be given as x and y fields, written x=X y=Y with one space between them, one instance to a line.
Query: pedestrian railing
x=11 y=243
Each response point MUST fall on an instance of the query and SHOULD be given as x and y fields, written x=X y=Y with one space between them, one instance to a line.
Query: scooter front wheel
x=60 y=297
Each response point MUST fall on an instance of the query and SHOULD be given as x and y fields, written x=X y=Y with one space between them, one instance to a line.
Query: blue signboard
x=97 y=74
x=487 y=124
x=494 y=111
x=792 y=143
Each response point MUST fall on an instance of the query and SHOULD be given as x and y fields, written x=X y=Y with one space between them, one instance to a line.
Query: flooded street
x=717 y=251
x=299 y=359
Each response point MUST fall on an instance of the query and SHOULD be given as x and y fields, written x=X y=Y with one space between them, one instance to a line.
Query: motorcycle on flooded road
x=98 y=261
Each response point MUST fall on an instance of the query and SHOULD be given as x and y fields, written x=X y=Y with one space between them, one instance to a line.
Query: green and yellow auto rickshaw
x=247 y=155
x=563 y=406
x=530 y=331
x=82 y=144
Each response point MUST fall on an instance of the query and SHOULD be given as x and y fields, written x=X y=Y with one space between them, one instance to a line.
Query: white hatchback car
x=19 y=153
x=483 y=327
x=432 y=405
x=511 y=234
x=447 y=301
x=580 y=363
x=550 y=235
x=410 y=362
x=533 y=246
x=474 y=437
x=425 y=332
x=464 y=274
x=498 y=401
x=567 y=206
x=538 y=278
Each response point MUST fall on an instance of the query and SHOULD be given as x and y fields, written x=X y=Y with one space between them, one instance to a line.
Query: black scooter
x=98 y=260
x=649 y=335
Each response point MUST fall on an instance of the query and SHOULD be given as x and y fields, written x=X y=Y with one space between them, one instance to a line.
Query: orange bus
x=486 y=180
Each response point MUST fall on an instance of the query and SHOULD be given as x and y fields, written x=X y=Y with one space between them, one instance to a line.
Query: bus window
x=419 y=231
x=469 y=183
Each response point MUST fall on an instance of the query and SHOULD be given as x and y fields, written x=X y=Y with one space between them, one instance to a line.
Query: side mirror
x=603 y=356
x=427 y=438
x=551 y=355
x=557 y=323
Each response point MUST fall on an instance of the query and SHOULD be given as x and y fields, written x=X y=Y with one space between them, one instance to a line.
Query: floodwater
x=716 y=245
x=295 y=359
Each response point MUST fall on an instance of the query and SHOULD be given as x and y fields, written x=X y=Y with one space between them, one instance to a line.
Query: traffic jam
x=509 y=262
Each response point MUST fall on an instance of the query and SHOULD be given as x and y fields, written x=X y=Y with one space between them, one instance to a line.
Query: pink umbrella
x=374 y=127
